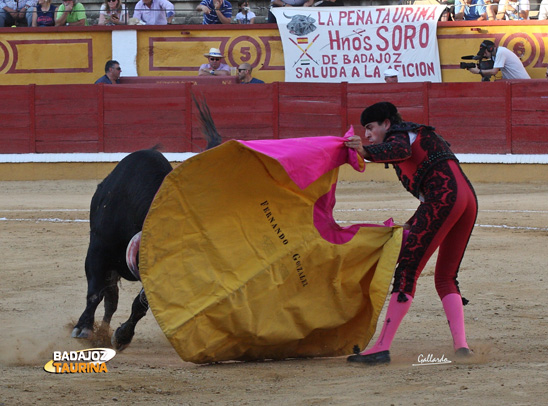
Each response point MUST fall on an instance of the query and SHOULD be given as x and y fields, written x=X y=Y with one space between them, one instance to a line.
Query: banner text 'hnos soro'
x=357 y=45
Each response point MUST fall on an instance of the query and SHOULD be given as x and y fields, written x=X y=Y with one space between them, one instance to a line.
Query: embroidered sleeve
x=395 y=148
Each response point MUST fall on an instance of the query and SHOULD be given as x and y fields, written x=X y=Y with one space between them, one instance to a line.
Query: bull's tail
x=208 y=126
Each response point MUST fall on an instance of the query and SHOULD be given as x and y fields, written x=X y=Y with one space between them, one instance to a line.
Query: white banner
x=356 y=45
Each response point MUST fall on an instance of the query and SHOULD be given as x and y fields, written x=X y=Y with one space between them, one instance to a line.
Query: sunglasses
x=112 y=1
x=241 y=70
x=214 y=59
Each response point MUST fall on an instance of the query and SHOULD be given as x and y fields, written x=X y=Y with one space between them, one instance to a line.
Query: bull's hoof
x=122 y=336
x=81 y=333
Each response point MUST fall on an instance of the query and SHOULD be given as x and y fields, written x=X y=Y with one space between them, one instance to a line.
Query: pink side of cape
x=307 y=159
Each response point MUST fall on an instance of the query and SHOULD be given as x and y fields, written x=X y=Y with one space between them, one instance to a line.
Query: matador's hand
x=354 y=142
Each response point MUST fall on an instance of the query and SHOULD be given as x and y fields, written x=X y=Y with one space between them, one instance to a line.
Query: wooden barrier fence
x=505 y=117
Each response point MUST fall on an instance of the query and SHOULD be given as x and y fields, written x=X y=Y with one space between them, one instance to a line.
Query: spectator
x=112 y=74
x=491 y=6
x=287 y=3
x=505 y=61
x=391 y=75
x=154 y=12
x=71 y=13
x=244 y=74
x=245 y=15
x=214 y=67
x=215 y=11
x=543 y=11
x=43 y=15
x=112 y=12
x=16 y=12
x=513 y=10
x=329 y=3
x=448 y=13
x=470 y=10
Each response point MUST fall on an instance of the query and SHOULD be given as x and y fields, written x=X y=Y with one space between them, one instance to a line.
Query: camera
x=467 y=65
x=482 y=64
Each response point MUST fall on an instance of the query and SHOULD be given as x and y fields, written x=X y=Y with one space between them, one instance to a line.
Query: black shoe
x=376 y=358
x=463 y=352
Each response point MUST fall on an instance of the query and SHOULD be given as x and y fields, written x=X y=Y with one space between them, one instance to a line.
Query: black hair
x=110 y=64
x=489 y=45
x=379 y=112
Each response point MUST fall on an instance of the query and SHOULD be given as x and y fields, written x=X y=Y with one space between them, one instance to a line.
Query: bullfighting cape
x=241 y=258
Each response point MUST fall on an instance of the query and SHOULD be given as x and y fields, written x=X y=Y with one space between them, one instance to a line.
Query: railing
x=186 y=15
x=506 y=117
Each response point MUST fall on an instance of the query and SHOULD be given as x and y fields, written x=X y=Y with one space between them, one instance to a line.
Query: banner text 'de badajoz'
x=357 y=44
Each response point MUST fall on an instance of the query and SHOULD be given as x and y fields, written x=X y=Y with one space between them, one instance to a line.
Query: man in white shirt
x=154 y=12
x=505 y=61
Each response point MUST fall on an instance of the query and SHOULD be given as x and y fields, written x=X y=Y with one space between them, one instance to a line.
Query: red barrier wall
x=490 y=118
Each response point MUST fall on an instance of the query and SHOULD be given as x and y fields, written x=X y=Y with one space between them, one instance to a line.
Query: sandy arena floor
x=44 y=237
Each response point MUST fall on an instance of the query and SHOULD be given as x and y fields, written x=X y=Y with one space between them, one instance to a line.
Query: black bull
x=118 y=210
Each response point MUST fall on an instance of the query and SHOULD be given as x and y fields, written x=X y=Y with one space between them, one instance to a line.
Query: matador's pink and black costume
x=445 y=218
x=428 y=169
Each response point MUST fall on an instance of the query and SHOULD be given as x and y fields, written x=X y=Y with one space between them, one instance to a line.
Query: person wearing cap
x=445 y=218
x=504 y=60
x=391 y=75
x=244 y=74
x=215 y=11
x=470 y=10
x=214 y=67
x=154 y=12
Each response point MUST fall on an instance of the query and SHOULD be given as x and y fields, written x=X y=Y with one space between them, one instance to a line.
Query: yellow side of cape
x=234 y=268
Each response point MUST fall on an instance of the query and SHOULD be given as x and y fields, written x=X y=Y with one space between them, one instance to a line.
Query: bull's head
x=300 y=24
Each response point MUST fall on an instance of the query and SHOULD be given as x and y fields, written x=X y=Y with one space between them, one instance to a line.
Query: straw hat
x=215 y=53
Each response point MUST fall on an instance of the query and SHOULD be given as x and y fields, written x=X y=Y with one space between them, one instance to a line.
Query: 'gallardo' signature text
x=431 y=360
